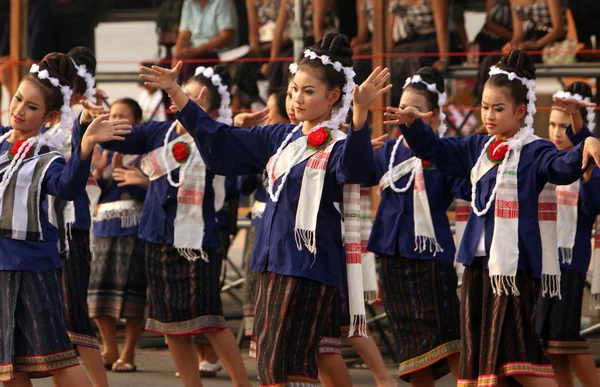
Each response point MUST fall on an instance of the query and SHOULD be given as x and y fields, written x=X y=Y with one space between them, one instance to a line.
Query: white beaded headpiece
x=514 y=144
x=337 y=118
x=66 y=117
x=591 y=123
x=89 y=81
x=225 y=113
x=432 y=87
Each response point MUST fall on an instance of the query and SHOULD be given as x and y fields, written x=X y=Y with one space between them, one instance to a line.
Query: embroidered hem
x=330 y=345
x=84 y=340
x=560 y=347
x=196 y=326
x=508 y=369
x=429 y=358
x=38 y=364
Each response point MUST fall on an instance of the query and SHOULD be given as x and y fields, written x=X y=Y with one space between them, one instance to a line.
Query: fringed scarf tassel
x=193 y=255
x=504 y=285
x=551 y=285
x=424 y=243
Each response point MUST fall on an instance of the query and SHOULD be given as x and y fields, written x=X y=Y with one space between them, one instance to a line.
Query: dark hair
x=61 y=67
x=135 y=107
x=584 y=90
x=280 y=94
x=337 y=48
x=83 y=56
x=520 y=63
x=215 y=97
x=430 y=75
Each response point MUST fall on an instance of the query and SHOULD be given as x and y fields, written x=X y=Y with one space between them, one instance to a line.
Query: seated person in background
x=537 y=24
x=361 y=44
x=206 y=28
x=497 y=30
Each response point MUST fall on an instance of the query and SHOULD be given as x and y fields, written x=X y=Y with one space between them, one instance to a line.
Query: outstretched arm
x=450 y=155
x=561 y=168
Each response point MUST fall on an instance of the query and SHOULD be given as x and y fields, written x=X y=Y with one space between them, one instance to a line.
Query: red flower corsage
x=14 y=149
x=317 y=138
x=181 y=152
x=497 y=151
x=427 y=165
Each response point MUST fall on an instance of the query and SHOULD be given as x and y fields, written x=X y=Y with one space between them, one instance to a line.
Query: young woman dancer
x=411 y=235
x=558 y=320
x=76 y=266
x=298 y=269
x=118 y=283
x=181 y=197
x=502 y=244
x=32 y=168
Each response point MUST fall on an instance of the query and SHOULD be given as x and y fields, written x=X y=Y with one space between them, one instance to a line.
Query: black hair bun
x=84 y=56
x=518 y=62
x=581 y=88
x=222 y=71
x=336 y=46
x=433 y=76
x=61 y=67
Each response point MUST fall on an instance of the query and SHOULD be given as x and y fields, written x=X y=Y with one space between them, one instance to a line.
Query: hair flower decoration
x=225 y=114
x=432 y=87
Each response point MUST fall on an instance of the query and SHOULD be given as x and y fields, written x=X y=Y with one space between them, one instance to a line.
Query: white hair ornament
x=337 y=118
x=89 y=79
x=66 y=117
x=225 y=113
x=513 y=144
x=591 y=115
x=442 y=97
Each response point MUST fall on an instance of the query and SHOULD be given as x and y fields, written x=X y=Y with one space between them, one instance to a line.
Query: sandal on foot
x=122 y=366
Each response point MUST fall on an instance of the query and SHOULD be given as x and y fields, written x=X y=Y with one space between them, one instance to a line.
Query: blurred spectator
x=416 y=29
x=207 y=27
x=497 y=30
x=537 y=24
x=345 y=11
x=361 y=44
x=586 y=13
x=319 y=19
x=74 y=23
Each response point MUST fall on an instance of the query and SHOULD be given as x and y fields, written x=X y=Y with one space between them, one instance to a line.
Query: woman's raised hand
x=102 y=130
x=365 y=94
x=399 y=116
x=571 y=105
x=91 y=111
x=160 y=77
x=591 y=148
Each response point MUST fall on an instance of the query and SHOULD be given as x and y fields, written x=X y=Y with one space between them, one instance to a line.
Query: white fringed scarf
x=423 y=224
x=190 y=193
x=504 y=250
x=567 y=200
x=308 y=207
x=369 y=271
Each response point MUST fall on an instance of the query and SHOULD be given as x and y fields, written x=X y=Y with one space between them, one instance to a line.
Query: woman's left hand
x=102 y=130
x=130 y=176
x=365 y=94
x=379 y=142
x=591 y=148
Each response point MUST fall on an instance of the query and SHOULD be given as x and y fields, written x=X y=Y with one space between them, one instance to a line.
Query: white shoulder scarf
x=190 y=195
x=307 y=211
x=504 y=250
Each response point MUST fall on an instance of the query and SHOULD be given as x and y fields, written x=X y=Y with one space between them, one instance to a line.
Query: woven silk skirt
x=420 y=299
x=33 y=331
x=558 y=320
x=185 y=296
x=118 y=278
x=290 y=316
x=76 y=278
x=498 y=332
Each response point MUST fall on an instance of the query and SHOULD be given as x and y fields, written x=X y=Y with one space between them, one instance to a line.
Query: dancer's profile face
x=28 y=109
x=275 y=116
x=418 y=100
x=557 y=129
x=499 y=113
x=289 y=106
x=312 y=99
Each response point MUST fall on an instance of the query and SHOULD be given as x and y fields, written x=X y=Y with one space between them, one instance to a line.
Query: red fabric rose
x=14 y=149
x=181 y=151
x=318 y=137
x=426 y=164
x=497 y=151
